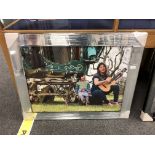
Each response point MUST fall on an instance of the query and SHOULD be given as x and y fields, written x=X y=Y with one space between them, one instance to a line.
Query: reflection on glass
x=58 y=24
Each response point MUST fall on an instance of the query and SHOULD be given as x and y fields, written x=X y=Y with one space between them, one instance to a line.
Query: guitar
x=106 y=87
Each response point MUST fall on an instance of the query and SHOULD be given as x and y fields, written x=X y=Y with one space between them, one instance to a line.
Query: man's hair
x=100 y=64
x=80 y=75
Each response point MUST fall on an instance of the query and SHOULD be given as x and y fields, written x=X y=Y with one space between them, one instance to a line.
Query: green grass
x=61 y=107
x=72 y=108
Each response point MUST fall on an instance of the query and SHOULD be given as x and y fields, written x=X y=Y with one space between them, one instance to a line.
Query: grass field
x=61 y=107
x=73 y=107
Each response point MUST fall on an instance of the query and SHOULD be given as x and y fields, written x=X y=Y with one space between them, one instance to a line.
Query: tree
x=113 y=62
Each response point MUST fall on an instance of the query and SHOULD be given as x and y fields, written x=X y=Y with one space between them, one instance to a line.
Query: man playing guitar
x=100 y=82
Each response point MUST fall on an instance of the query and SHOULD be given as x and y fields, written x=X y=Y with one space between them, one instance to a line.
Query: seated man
x=101 y=78
x=83 y=89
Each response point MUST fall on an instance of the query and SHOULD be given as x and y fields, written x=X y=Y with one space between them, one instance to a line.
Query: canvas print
x=76 y=79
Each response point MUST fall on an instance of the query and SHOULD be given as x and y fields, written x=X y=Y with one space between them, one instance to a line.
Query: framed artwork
x=76 y=75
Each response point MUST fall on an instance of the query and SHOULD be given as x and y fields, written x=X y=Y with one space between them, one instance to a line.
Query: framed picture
x=76 y=75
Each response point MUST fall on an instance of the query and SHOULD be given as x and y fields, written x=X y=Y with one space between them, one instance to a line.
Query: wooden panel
x=149 y=31
x=150 y=43
x=1 y=26
x=6 y=55
x=116 y=24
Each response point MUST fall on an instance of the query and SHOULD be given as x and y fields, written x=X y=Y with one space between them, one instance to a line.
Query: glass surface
x=59 y=24
x=137 y=24
x=62 y=79
x=6 y=22
x=75 y=24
